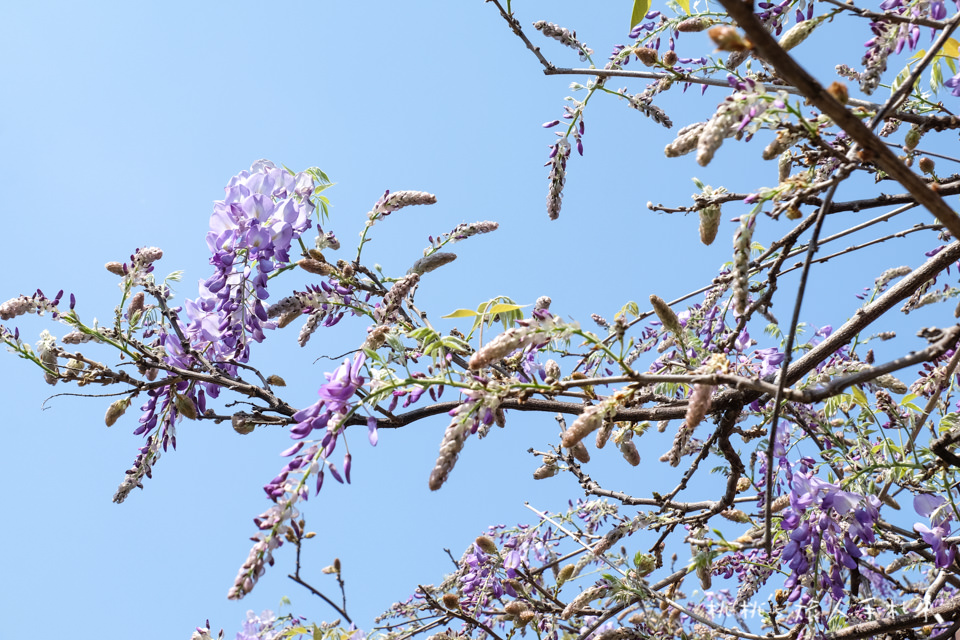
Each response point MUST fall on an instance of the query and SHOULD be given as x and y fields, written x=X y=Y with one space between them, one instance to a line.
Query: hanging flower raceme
x=252 y=229
x=825 y=522
x=334 y=400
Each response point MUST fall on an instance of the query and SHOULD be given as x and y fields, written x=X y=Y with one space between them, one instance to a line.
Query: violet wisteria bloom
x=825 y=522
x=251 y=231
x=937 y=509
x=334 y=401
x=954 y=85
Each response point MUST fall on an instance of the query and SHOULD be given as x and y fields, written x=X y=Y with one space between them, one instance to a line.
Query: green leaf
x=900 y=79
x=860 y=397
x=503 y=308
x=910 y=397
x=685 y=5
x=630 y=308
x=640 y=8
x=949 y=421
x=936 y=76
x=951 y=49
x=462 y=313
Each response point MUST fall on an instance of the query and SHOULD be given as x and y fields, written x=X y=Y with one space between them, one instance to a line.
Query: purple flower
x=954 y=84
x=770 y=359
x=342 y=384
x=926 y=504
x=935 y=538
x=931 y=506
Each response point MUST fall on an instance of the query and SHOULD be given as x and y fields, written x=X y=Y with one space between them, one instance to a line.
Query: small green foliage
x=631 y=308
x=640 y=9
x=500 y=309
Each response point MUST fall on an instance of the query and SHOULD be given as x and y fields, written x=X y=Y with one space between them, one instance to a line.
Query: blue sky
x=122 y=123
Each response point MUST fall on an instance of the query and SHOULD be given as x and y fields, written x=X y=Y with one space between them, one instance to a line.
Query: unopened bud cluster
x=20 y=305
x=798 y=33
x=741 y=263
x=431 y=262
x=558 y=175
x=566 y=37
x=390 y=202
x=540 y=329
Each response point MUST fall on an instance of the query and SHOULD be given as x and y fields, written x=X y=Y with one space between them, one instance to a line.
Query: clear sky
x=122 y=122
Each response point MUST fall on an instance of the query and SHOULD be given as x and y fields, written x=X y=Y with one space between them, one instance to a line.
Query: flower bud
x=115 y=410
x=545 y=471
x=779 y=504
x=694 y=24
x=580 y=452
x=287 y=318
x=451 y=601
x=926 y=165
x=565 y=573
x=317 y=267
x=276 y=381
x=552 y=369
x=185 y=406
x=839 y=91
x=646 y=55
x=797 y=34
x=709 y=223
x=241 y=423
x=784 y=164
x=149 y=254
x=669 y=58
x=728 y=38
x=486 y=544
x=526 y=617
x=735 y=515
x=630 y=453
x=136 y=305
x=376 y=337
x=603 y=433
x=515 y=608
x=912 y=139
x=743 y=483
x=703 y=573
x=431 y=262
x=542 y=303
x=669 y=319
x=115 y=268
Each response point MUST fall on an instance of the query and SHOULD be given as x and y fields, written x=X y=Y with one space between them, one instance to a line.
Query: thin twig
x=782 y=382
